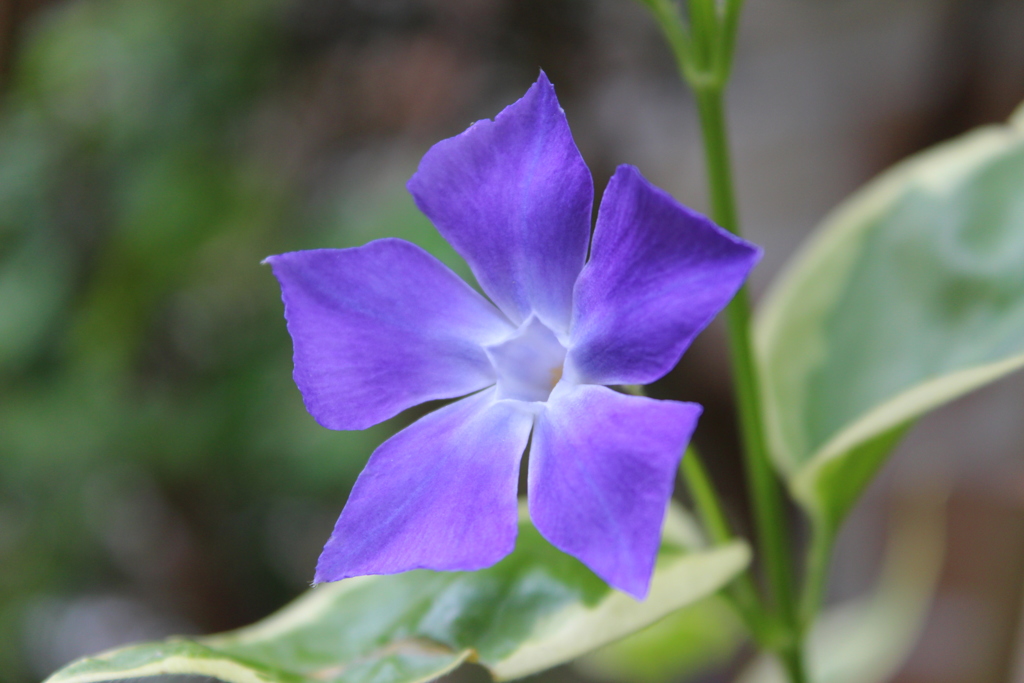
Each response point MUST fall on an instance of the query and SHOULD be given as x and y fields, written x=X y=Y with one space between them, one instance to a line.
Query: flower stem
x=818 y=555
x=704 y=58
x=741 y=592
x=792 y=661
x=705 y=498
x=769 y=513
x=764 y=490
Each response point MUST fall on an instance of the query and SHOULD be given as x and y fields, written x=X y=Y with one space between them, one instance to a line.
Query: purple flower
x=383 y=327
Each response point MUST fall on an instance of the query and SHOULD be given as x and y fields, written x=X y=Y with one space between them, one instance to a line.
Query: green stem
x=794 y=665
x=727 y=47
x=704 y=497
x=704 y=36
x=818 y=556
x=764 y=489
x=716 y=156
x=707 y=73
x=741 y=592
x=671 y=24
x=769 y=513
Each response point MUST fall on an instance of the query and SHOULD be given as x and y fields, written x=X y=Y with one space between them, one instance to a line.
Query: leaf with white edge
x=533 y=610
x=909 y=296
x=171 y=657
x=867 y=640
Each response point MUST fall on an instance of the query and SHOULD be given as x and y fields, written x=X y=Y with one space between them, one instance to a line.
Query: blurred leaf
x=694 y=639
x=35 y=284
x=910 y=295
x=136 y=324
x=533 y=610
x=867 y=640
x=130 y=74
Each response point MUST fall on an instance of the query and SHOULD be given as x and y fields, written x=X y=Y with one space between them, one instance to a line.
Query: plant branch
x=769 y=513
x=727 y=46
x=707 y=75
x=818 y=556
x=741 y=592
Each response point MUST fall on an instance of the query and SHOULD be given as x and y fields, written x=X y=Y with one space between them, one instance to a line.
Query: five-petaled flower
x=383 y=327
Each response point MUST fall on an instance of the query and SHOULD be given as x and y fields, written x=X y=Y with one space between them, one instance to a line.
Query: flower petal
x=602 y=467
x=514 y=198
x=440 y=494
x=380 y=328
x=658 y=274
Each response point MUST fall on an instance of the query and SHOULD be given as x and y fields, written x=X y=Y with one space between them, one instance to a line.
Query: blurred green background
x=158 y=473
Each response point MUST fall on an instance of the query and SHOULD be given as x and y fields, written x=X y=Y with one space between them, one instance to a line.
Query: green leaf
x=533 y=610
x=867 y=640
x=910 y=295
x=35 y=284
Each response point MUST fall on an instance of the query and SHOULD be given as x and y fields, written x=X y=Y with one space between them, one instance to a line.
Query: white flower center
x=528 y=363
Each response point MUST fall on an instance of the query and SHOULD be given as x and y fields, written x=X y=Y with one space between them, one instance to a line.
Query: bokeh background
x=158 y=473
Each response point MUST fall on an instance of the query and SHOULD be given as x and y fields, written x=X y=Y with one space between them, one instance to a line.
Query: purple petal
x=380 y=328
x=514 y=198
x=602 y=466
x=658 y=273
x=440 y=494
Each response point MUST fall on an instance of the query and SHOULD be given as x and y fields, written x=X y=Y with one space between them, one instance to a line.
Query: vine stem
x=818 y=555
x=704 y=59
x=768 y=510
x=769 y=513
x=741 y=592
